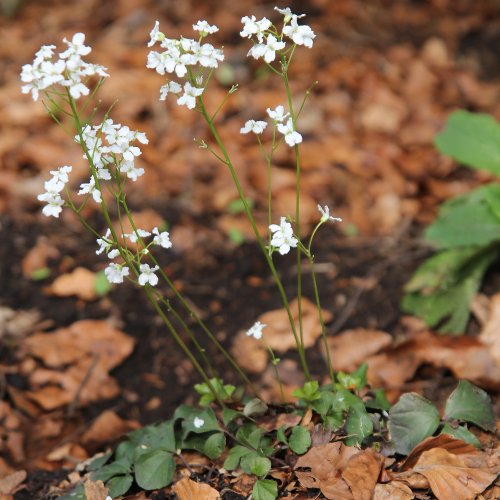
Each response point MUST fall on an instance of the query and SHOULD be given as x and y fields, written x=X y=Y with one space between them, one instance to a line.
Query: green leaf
x=470 y=404
x=308 y=392
x=299 y=440
x=472 y=139
x=265 y=489
x=125 y=452
x=462 y=433
x=215 y=445
x=101 y=284
x=352 y=381
x=411 y=419
x=236 y=236
x=76 y=494
x=41 y=274
x=154 y=469
x=117 y=468
x=237 y=207
x=324 y=404
x=260 y=466
x=189 y=414
x=236 y=453
x=249 y=434
x=465 y=220
x=492 y=198
x=228 y=415
x=160 y=436
x=99 y=461
x=358 y=425
x=280 y=435
x=119 y=485
x=450 y=304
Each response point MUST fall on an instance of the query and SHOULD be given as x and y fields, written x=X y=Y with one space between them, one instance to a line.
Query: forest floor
x=388 y=73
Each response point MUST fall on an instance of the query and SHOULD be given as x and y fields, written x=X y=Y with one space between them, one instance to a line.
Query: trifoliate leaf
x=470 y=404
x=154 y=470
x=299 y=440
x=411 y=419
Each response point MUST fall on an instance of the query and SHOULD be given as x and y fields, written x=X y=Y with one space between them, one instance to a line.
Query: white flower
x=148 y=275
x=155 y=35
x=131 y=170
x=188 y=99
x=287 y=14
x=325 y=214
x=282 y=236
x=253 y=27
x=267 y=50
x=257 y=127
x=198 y=422
x=169 y=88
x=162 y=239
x=90 y=188
x=277 y=114
x=113 y=253
x=61 y=174
x=292 y=137
x=204 y=28
x=116 y=272
x=301 y=35
x=256 y=330
x=104 y=243
x=76 y=47
x=206 y=55
x=54 y=203
x=133 y=237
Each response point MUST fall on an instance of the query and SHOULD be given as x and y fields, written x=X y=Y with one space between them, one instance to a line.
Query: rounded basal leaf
x=119 y=485
x=154 y=469
x=300 y=440
x=470 y=404
x=265 y=489
x=411 y=419
x=215 y=445
x=260 y=466
x=461 y=433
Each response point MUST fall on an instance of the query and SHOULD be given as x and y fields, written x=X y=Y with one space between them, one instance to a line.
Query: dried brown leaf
x=107 y=427
x=80 y=282
x=95 y=490
x=449 y=476
x=490 y=334
x=396 y=490
x=10 y=484
x=186 y=489
x=362 y=472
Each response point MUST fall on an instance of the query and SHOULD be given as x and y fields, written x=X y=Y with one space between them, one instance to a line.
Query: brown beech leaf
x=449 y=476
x=362 y=472
x=396 y=490
x=10 y=484
x=278 y=334
x=351 y=347
x=37 y=258
x=249 y=353
x=490 y=334
x=107 y=427
x=79 y=282
x=445 y=441
x=186 y=489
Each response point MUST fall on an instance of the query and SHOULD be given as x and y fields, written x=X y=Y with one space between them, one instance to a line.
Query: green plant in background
x=466 y=232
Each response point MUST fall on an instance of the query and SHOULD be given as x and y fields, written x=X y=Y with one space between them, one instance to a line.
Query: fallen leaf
x=396 y=490
x=361 y=473
x=106 y=428
x=490 y=334
x=10 y=484
x=278 y=334
x=37 y=258
x=249 y=353
x=186 y=489
x=351 y=347
x=95 y=490
x=444 y=441
x=80 y=282
x=449 y=476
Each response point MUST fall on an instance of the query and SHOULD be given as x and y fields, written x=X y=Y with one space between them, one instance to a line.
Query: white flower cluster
x=278 y=115
x=115 y=273
x=180 y=57
x=270 y=40
x=69 y=70
x=118 y=151
x=53 y=188
x=282 y=236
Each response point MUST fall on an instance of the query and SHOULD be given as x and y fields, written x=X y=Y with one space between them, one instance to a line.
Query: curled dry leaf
x=490 y=334
x=186 y=489
x=444 y=441
x=278 y=334
x=80 y=282
x=396 y=490
x=351 y=347
x=450 y=477
x=107 y=427
x=340 y=472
